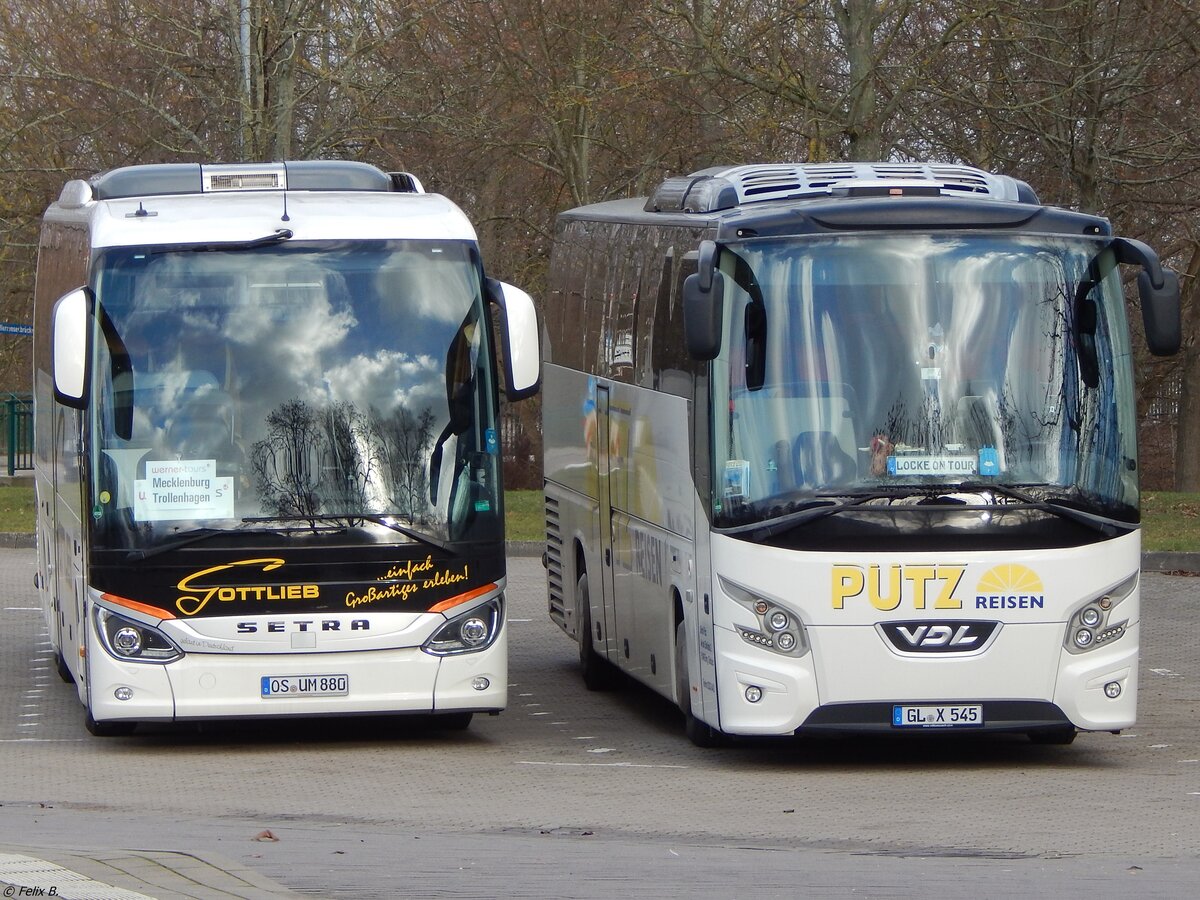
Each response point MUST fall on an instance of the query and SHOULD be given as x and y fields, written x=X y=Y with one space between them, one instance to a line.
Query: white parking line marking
x=616 y=765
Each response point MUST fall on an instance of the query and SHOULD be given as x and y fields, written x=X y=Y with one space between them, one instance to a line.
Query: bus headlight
x=473 y=630
x=131 y=641
x=1092 y=625
x=779 y=630
x=127 y=640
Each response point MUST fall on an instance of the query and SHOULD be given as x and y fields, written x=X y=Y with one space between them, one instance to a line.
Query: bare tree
x=518 y=108
x=287 y=462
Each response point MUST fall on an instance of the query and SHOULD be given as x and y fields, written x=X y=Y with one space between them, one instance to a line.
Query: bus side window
x=671 y=366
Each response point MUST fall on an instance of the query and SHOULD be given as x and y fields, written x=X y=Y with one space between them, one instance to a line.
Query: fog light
x=1083 y=638
x=753 y=693
x=480 y=683
x=786 y=641
x=1112 y=690
x=778 y=620
x=473 y=632
x=1090 y=617
x=127 y=641
x=126 y=693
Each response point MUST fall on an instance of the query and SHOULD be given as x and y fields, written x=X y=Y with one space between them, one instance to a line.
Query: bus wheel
x=1054 y=736
x=60 y=666
x=460 y=721
x=109 y=728
x=597 y=672
x=699 y=733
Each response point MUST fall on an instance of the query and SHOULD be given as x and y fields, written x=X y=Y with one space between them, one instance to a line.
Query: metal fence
x=18 y=432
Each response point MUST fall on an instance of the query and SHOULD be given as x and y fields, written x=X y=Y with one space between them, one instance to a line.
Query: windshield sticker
x=182 y=489
x=911 y=464
x=737 y=479
x=989 y=461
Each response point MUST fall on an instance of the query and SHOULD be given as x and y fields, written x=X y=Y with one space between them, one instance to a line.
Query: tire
x=60 y=666
x=699 y=733
x=460 y=721
x=598 y=674
x=1054 y=736
x=109 y=728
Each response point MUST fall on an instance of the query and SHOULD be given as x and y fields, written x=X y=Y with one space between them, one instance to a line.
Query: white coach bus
x=849 y=448
x=267 y=456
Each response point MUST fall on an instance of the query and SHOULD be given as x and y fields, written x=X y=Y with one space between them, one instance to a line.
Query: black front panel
x=309 y=576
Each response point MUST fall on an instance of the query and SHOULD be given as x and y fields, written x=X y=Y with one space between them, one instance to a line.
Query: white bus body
x=266 y=447
x=849 y=448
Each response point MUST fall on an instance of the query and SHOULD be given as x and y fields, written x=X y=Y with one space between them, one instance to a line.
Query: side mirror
x=1158 y=290
x=703 y=305
x=1160 y=313
x=519 y=332
x=71 y=348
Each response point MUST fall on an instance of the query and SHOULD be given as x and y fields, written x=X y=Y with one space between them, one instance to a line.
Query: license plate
x=305 y=686
x=937 y=716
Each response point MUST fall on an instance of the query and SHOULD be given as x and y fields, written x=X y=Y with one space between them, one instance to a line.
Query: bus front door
x=604 y=498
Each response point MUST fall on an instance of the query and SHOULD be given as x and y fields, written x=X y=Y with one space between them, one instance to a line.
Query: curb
x=524 y=548
x=1171 y=563
x=121 y=874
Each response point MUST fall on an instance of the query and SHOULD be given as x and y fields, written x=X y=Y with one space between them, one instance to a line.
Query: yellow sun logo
x=1010 y=578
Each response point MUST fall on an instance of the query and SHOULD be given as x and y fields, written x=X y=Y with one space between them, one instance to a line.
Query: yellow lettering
x=392 y=591
x=407 y=570
x=190 y=605
x=886 y=590
x=848 y=581
x=895 y=588
x=197 y=597
x=920 y=576
x=445 y=577
x=951 y=576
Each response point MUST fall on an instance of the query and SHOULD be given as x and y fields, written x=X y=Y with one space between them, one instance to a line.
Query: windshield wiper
x=195 y=536
x=351 y=519
x=388 y=522
x=851 y=500
x=278 y=236
x=1055 y=506
x=809 y=512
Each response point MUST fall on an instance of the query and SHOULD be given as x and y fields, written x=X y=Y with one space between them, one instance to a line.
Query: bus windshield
x=913 y=365
x=333 y=386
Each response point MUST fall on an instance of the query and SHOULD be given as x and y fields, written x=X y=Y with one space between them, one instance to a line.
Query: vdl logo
x=941 y=636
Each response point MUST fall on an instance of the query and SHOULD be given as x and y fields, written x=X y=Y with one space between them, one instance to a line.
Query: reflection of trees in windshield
x=402 y=440
x=339 y=461
x=921 y=360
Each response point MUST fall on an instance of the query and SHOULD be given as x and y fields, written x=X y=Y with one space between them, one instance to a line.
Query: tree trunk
x=1187 y=428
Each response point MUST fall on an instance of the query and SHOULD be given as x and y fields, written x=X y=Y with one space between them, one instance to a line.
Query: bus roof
x=778 y=199
x=316 y=200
